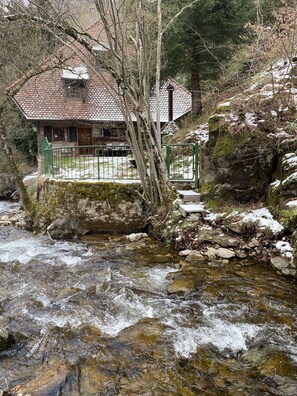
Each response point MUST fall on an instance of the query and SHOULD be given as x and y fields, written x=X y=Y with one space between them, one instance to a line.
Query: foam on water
x=156 y=278
x=128 y=308
x=24 y=250
x=221 y=334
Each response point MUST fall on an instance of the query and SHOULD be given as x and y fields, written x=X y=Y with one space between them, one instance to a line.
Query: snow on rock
x=290 y=179
x=290 y=161
x=211 y=217
x=275 y=184
x=285 y=248
x=262 y=218
x=273 y=113
x=292 y=204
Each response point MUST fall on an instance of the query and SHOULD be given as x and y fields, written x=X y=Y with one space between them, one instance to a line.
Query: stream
x=93 y=317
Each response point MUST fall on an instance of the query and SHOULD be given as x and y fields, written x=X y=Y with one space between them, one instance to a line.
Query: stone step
x=185 y=210
x=189 y=196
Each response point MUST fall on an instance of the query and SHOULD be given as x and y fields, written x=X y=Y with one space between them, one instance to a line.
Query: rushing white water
x=62 y=284
x=8 y=206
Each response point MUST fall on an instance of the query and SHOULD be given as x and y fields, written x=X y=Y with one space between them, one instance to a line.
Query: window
x=113 y=132
x=60 y=134
x=75 y=79
x=74 y=89
x=100 y=55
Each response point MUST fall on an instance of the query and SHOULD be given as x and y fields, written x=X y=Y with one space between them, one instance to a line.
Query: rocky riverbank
x=236 y=234
x=248 y=176
x=214 y=237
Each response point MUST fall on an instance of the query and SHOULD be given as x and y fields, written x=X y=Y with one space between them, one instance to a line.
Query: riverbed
x=93 y=317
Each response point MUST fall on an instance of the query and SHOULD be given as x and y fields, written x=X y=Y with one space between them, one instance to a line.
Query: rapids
x=93 y=317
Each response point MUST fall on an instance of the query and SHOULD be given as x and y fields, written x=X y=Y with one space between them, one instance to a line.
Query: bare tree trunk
x=158 y=71
x=24 y=196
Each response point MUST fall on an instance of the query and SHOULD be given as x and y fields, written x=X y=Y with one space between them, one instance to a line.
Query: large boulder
x=281 y=198
x=235 y=165
x=104 y=207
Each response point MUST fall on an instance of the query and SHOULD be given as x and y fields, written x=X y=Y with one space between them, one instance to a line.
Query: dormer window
x=75 y=82
x=74 y=89
x=100 y=55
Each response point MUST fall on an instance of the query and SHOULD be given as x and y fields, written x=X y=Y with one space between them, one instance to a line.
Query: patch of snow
x=233 y=117
x=280 y=133
x=291 y=161
x=275 y=184
x=201 y=133
x=285 y=248
x=224 y=104
x=250 y=119
x=280 y=70
x=289 y=155
x=273 y=113
x=211 y=216
x=252 y=87
x=292 y=204
x=290 y=179
x=31 y=176
x=264 y=219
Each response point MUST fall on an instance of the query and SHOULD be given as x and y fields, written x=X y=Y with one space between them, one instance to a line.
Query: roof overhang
x=76 y=73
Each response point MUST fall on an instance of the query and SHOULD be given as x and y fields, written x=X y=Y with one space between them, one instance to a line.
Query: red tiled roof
x=42 y=97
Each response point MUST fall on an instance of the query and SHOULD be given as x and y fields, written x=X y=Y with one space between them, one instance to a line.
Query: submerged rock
x=181 y=286
x=146 y=332
x=67 y=228
x=6 y=339
x=48 y=382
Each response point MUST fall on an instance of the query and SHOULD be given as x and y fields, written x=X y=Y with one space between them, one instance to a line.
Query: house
x=70 y=105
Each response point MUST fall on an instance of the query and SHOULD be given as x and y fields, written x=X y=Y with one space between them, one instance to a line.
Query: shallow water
x=93 y=317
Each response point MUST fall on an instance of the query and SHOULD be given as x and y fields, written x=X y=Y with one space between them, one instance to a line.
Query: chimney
x=170 y=89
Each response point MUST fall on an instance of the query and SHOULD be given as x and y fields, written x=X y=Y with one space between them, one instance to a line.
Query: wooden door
x=85 y=139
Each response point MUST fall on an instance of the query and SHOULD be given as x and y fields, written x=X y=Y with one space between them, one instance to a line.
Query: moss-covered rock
x=235 y=166
x=102 y=207
x=288 y=218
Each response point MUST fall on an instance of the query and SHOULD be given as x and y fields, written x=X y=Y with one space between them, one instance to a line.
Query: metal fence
x=115 y=162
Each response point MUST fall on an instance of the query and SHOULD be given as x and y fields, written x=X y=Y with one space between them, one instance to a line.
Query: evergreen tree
x=203 y=38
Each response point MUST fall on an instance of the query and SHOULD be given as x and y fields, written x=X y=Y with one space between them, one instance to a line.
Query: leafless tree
x=133 y=36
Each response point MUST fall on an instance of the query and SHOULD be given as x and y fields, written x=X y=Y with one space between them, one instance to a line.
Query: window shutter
x=73 y=134
x=48 y=133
